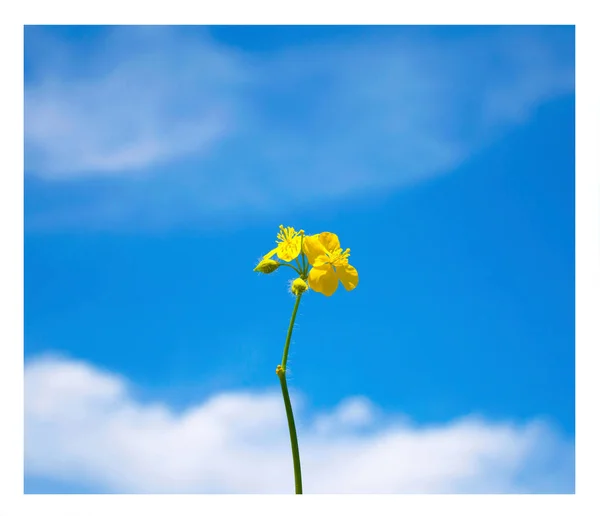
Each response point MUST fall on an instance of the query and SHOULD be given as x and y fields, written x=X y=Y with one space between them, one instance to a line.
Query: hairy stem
x=281 y=371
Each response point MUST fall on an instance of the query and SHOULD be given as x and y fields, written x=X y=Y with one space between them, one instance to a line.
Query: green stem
x=291 y=266
x=293 y=435
x=288 y=404
x=286 y=348
x=304 y=266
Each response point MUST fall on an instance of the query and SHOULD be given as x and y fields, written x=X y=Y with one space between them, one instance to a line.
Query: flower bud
x=299 y=286
x=267 y=266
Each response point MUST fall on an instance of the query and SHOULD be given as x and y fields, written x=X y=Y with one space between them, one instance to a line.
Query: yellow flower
x=330 y=264
x=288 y=244
x=266 y=266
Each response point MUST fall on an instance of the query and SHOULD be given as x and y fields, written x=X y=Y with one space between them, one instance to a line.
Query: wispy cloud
x=178 y=127
x=144 y=96
x=83 y=425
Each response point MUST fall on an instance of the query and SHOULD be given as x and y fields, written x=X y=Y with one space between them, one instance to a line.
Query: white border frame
x=307 y=12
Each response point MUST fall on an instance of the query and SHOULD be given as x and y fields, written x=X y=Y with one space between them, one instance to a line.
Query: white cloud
x=146 y=96
x=83 y=425
x=181 y=128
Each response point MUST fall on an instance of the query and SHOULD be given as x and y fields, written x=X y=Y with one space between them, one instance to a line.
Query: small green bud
x=299 y=286
x=267 y=266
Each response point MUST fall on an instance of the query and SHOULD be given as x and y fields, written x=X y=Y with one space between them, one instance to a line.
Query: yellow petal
x=321 y=260
x=348 y=275
x=313 y=248
x=270 y=254
x=323 y=280
x=289 y=250
x=330 y=241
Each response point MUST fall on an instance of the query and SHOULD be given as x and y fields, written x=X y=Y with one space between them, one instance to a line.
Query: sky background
x=159 y=163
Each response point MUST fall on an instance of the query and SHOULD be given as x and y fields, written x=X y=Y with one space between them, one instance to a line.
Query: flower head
x=330 y=264
x=288 y=244
x=266 y=266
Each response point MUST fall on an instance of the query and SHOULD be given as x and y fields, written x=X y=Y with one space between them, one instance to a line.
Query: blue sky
x=159 y=163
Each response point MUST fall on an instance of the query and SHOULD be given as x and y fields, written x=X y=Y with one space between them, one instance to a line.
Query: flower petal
x=330 y=241
x=321 y=260
x=288 y=251
x=323 y=280
x=348 y=275
x=313 y=248
x=270 y=254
